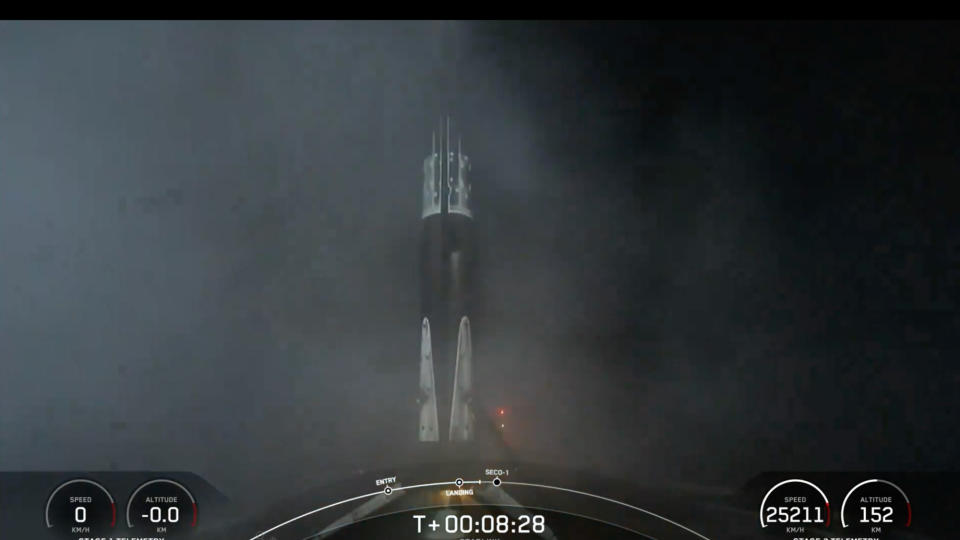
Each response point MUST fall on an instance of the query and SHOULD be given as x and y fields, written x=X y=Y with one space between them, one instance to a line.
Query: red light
x=501 y=412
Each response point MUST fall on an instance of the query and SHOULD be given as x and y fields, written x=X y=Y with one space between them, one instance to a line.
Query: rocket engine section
x=446 y=253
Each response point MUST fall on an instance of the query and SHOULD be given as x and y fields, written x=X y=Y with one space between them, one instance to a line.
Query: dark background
x=706 y=250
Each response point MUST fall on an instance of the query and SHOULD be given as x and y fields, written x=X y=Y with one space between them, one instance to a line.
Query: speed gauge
x=80 y=507
x=795 y=505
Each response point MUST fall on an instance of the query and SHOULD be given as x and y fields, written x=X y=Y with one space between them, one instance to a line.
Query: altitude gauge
x=80 y=507
x=875 y=506
x=161 y=507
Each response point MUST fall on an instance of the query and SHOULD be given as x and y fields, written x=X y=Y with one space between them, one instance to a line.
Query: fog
x=705 y=251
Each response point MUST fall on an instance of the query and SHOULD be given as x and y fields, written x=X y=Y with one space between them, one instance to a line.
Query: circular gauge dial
x=161 y=507
x=876 y=505
x=80 y=507
x=795 y=504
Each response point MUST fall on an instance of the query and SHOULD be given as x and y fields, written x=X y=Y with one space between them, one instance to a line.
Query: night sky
x=705 y=250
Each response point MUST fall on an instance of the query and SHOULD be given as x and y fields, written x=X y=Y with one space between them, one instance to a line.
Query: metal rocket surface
x=446 y=264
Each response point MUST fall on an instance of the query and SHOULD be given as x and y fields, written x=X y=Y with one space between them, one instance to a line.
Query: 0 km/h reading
x=80 y=507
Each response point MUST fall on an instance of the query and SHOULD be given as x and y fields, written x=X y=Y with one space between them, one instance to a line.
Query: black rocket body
x=446 y=287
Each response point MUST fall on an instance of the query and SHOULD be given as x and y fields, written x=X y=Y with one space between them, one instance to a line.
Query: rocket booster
x=446 y=264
